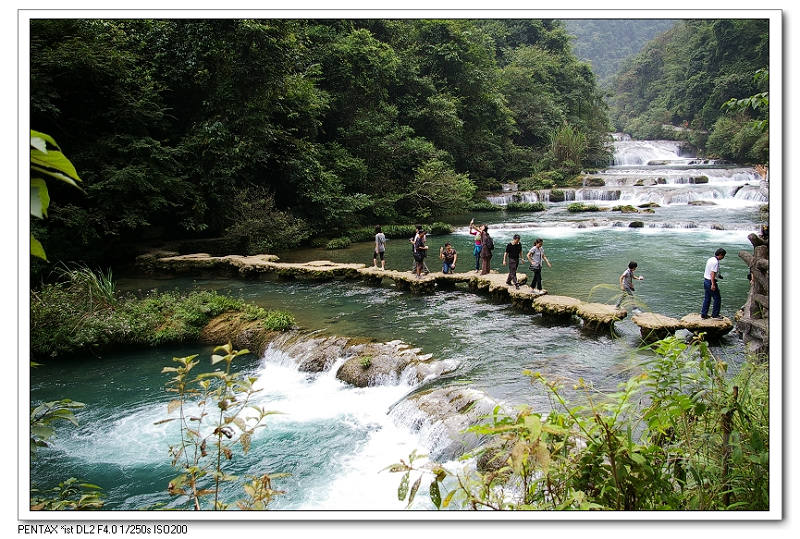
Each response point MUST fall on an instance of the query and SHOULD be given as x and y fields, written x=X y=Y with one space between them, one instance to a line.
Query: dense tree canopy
x=211 y=127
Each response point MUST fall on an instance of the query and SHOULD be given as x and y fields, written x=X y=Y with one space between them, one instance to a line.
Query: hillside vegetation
x=272 y=132
x=606 y=43
x=682 y=79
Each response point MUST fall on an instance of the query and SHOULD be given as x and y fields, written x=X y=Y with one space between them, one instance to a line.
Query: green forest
x=271 y=132
x=607 y=43
x=684 y=78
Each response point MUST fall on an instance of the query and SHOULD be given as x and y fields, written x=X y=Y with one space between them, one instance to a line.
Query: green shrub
x=557 y=195
x=525 y=206
x=338 y=243
x=439 y=228
x=581 y=207
x=485 y=205
x=258 y=218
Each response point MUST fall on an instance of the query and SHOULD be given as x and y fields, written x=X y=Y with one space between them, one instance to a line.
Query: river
x=334 y=439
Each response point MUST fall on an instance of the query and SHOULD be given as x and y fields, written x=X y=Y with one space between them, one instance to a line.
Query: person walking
x=413 y=253
x=513 y=250
x=476 y=251
x=487 y=246
x=535 y=257
x=448 y=256
x=711 y=287
x=420 y=251
x=380 y=248
x=626 y=282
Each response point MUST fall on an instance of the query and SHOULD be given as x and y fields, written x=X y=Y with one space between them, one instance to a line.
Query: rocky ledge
x=712 y=327
x=443 y=415
x=362 y=362
x=599 y=316
x=655 y=326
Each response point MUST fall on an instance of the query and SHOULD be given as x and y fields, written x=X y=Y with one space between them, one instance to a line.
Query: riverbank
x=67 y=319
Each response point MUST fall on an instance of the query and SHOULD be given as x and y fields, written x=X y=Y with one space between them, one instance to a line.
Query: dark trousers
x=537 y=278
x=485 y=264
x=513 y=264
x=709 y=295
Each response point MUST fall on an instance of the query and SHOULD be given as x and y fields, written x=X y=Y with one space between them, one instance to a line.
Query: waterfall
x=642 y=152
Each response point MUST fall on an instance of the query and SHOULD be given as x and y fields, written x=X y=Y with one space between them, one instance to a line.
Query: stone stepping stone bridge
x=596 y=317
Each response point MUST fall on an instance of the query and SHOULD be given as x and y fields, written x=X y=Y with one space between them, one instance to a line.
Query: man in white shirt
x=710 y=277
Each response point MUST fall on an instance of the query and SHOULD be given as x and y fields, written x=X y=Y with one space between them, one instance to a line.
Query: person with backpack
x=487 y=246
x=413 y=241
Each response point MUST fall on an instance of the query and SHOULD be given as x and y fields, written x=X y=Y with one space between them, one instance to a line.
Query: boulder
x=444 y=414
x=594 y=182
x=556 y=195
x=701 y=203
x=558 y=307
x=653 y=326
x=636 y=224
x=371 y=364
x=714 y=329
x=240 y=331
x=316 y=354
x=599 y=316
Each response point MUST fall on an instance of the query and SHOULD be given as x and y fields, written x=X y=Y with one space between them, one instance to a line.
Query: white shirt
x=712 y=264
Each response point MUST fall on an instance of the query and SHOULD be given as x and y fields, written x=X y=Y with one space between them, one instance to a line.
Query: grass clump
x=576 y=207
x=525 y=206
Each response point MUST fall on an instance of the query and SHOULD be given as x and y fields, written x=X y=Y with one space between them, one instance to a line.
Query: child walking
x=626 y=282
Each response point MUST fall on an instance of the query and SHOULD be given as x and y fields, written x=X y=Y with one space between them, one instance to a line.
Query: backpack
x=489 y=243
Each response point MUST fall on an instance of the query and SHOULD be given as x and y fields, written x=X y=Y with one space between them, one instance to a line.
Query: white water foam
x=356 y=483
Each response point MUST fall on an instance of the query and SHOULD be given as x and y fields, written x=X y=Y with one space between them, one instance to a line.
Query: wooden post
x=727 y=427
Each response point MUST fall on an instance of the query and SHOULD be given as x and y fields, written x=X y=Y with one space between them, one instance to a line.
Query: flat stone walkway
x=597 y=316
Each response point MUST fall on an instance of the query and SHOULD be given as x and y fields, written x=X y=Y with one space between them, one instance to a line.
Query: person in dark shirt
x=420 y=251
x=513 y=250
x=448 y=256
x=487 y=248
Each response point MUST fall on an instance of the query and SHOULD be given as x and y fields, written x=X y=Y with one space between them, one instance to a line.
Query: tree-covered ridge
x=281 y=129
x=685 y=76
x=606 y=43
